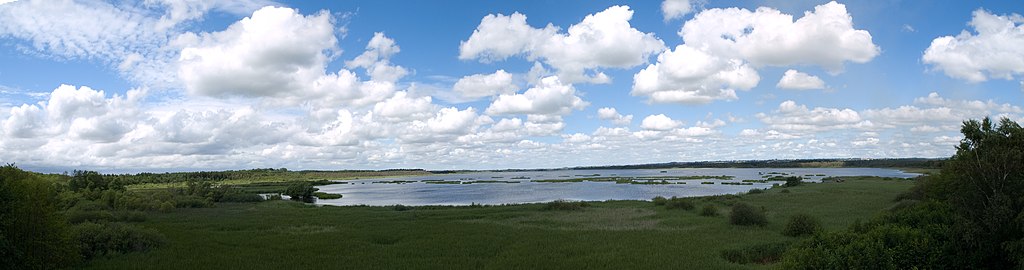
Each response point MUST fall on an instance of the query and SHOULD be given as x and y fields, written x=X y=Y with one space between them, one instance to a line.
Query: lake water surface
x=421 y=192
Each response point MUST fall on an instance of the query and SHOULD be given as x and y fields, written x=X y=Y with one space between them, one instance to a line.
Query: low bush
x=679 y=203
x=99 y=239
x=76 y=216
x=793 y=181
x=784 y=191
x=327 y=196
x=241 y=197
x=564 y=205
x=399 y=207
x=760 y=254
x=800 y=225
x=755 y=191
x=709 y=210
x=659 y=200
x=745 y=215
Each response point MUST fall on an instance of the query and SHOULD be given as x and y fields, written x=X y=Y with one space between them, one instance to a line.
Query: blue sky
x=184 y=85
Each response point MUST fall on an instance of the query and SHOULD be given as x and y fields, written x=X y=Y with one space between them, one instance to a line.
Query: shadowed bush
x=98 y=239
x=760 y=254
x=659 y=200
x=801 y=224
x=679 y=203
x=563 y=205
x=746 y=215
x=709 y=210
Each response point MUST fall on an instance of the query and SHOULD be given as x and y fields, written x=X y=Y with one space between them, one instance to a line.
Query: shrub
x=327 y=196
x=399 y=207
x=755 y=191
x=564 y=205
x=784 y=191
x=97 y=239
x=801 y=224
x=241 y=197
x=301 y=191
x=679 y=203
x=746 y=215
x=760 y=254
x=75 y=217
x=709 y=210
x=33 y=233
x=792 y=181
x=659 y=200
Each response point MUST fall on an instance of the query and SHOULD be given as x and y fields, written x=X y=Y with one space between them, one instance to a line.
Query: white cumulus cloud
x=602 y=40
x=994 y=50
x=550 y=97
x=673 y=9
x=691 y=76
x=614 y=116
x=659 y=122
x=485 y=85
x=796 y=80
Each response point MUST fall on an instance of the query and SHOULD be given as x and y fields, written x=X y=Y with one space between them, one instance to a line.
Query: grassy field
x=605 y=235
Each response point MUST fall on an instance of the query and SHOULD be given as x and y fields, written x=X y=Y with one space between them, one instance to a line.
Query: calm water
x=358 y=192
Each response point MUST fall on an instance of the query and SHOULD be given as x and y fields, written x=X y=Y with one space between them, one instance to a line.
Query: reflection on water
x=416 y=190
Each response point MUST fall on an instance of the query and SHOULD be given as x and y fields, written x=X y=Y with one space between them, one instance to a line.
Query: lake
x=494 y=188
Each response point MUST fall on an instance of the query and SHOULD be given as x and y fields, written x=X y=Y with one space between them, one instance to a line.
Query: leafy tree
x=301 y=191
x=984 y=184
x=33 y=234
x=969 y=216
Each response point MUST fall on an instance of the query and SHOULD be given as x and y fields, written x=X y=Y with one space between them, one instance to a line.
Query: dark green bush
x=792 y=181
x=327 y=196
x=564 y=205
x=709 y=210
x=659 y=200
x=801 y=224
x=746 y=215
x=399 y=207
x=679 y=203
x=98 y=239
x=301 y=191
x=75 y=217
x=755 y=191
x=33 y=233
x=241 y=197
x=760 y=254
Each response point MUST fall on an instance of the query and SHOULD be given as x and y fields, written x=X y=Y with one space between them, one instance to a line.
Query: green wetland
x=594 y=235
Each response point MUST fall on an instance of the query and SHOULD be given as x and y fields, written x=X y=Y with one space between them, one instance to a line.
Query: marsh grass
x=606 y=235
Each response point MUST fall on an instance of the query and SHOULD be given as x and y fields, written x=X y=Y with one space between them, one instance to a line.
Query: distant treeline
x=924 y=163
x=281 y=174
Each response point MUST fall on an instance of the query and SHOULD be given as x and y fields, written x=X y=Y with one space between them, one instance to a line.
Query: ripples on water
x=366 y=192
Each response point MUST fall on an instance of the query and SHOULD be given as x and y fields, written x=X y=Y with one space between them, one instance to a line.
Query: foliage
x=659 y=200
x=33 y=234
x=800 y=225
x=563 y=205
x=760 y=254
x=709 y=210
x=755 y=191
x=792 y=181
x=969 y=216
x=745 y=215
x=916 y=237
x=301 y=191
x=679 y=203
x=327 y=196
x=97 y=239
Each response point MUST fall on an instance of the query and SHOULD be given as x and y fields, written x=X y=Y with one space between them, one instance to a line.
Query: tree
x=301 y=191
x=984 y=184
x=33 y=234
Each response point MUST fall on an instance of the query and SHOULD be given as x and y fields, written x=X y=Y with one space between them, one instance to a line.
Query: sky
x=180 y=85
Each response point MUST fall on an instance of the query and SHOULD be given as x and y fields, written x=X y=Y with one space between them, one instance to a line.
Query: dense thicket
x=969 y=216
x=33 y=234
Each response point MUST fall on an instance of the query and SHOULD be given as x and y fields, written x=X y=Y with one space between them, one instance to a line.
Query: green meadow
x=601 y=235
